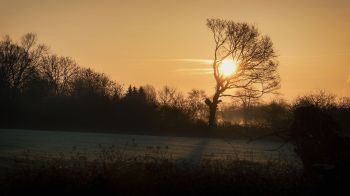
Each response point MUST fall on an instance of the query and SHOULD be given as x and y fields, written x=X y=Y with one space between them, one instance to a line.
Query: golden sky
x=165 y=42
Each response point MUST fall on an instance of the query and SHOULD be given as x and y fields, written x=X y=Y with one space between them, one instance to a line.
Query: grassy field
x=46 y=143
x=61 y=163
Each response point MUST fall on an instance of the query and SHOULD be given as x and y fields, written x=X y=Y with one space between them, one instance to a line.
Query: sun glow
x=227 y=67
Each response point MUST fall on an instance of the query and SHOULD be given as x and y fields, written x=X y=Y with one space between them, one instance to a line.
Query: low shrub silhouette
x=323 y=150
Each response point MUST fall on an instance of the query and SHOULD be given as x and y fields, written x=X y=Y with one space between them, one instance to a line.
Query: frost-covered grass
x=113 y=170
x=46 y=143
x=131 y=164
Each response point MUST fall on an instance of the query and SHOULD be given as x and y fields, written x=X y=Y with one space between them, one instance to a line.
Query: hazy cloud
x=196 y=70
x=200 y=61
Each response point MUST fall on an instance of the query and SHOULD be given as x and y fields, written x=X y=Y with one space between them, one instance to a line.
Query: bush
x=324 y=151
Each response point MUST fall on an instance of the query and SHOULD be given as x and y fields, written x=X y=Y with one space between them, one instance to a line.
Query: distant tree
x=274 y=115
x=59 y=72
x=320 y=99
x=18 y=62
x=196 y=106
x=135 y=96
x=277 y=114
x=173 y=109
x=116 y=91
x=151 y=93
x=246 y=98
x=131 y=91
x=344 y=102
x=169 y=96
x=90 y=84
x=254 y=55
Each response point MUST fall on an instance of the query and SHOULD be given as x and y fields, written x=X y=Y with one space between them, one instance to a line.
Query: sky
x=156 y=42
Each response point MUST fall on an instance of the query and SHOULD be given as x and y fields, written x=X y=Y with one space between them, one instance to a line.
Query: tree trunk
x=213 y=105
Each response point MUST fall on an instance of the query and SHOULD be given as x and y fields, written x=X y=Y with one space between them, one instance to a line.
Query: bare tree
x=256 y=61
x=91 y=84
x=169 y=96
x=196 y=108
x=59 y=72
x=247 y=98
x=150 y=92
x=319 y=98
x=18 y=62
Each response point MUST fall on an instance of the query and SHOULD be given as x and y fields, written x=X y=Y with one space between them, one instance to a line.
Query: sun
x=227 y=67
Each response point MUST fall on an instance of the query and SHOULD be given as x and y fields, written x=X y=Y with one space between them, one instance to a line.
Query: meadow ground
x=57 y=163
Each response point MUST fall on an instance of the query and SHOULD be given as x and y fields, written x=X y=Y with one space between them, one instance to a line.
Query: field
x=16 y=143
x=55 y=162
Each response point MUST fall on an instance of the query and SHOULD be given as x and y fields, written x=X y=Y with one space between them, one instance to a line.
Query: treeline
x=275 y=114
x=279 y=114
x=42 y=90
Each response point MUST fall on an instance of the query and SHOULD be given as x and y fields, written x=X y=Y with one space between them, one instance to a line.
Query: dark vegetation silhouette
x=320 y=134
x=40 y=90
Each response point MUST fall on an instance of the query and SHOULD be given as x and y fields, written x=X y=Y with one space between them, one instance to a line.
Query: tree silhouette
x=171 y=97
x=257 y=65
x=150 y=92
x=196 y=107
x=92 y=85
x=59 y=72
x=18 y=62
x=320 y=99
